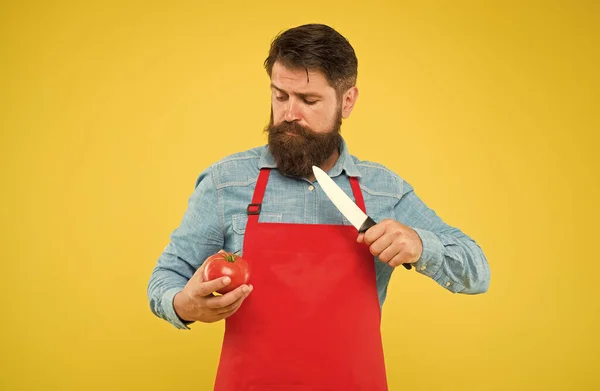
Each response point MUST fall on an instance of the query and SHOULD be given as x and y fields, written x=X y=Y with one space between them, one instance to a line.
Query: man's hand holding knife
x=393 y=243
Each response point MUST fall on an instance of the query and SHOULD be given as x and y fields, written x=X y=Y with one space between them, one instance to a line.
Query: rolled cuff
x=433 y=253
x=432 y=260
x=169 y=309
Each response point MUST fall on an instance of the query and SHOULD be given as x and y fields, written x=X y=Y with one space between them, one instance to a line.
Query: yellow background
x=109 y=110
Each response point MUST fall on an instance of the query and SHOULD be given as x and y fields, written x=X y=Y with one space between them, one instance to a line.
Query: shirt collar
x=345 y=163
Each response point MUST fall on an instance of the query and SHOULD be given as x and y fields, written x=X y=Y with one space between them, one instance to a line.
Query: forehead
x=297 y=80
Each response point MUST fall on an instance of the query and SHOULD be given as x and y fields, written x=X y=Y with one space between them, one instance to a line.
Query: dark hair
x=316 y=47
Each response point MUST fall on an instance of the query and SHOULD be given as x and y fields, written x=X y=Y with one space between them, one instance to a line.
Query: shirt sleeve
x=450 y=257
x=199 y=235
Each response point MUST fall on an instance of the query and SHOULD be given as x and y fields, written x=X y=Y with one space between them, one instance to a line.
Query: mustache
x=291 y=127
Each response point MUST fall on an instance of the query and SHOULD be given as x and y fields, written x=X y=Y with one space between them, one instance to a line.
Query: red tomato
x=227 y=264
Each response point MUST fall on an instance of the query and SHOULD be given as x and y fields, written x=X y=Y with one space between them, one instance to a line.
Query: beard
x=296 y=153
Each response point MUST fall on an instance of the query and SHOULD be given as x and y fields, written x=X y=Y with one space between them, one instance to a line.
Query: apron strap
x=357 y=193
x=255 y=207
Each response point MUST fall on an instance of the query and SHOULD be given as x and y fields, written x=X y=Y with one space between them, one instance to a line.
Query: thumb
x=360 y=238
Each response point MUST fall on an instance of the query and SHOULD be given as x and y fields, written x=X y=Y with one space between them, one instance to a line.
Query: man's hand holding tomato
x=197 y=302
x=393 y=242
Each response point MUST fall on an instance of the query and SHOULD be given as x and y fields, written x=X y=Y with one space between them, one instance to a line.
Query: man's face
x=312 y=102
x=305 y=120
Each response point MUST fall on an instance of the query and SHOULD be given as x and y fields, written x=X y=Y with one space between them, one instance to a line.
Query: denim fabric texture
x=216 y=219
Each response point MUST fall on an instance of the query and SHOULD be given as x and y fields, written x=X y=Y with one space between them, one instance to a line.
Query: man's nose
x=292 y=112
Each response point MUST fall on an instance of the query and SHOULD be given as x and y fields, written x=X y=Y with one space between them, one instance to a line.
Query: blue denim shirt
x=216 y=219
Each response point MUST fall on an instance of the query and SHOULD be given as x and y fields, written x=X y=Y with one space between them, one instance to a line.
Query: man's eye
x=281 y=98
x=310 y=102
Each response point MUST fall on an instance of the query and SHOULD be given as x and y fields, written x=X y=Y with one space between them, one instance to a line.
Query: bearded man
x=310 y=317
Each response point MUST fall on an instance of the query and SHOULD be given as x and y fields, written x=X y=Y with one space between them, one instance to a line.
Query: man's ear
x=348 y=101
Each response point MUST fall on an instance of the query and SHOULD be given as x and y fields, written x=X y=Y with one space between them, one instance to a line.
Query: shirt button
x=447 y=284
x=311 y=187
x=423 y=268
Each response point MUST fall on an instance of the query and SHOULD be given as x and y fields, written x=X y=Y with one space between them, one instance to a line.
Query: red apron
x=312 y=321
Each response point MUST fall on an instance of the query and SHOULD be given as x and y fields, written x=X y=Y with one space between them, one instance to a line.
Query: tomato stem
x=230 y=257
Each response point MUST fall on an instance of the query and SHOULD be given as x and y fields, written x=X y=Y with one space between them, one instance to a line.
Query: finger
x=407 y=254
x=383 y=242
x=390 y=252
x=375 y=232
x=208 y=287
x=232 y=307
x=220 y=303
x=228 y=314
x=399 y=259
x=228 y=298
x=360 y=238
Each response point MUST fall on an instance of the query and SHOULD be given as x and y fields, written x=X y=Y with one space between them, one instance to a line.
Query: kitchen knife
x=345 y=205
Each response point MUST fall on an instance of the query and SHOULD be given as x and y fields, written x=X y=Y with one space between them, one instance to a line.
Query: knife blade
x=359 y=219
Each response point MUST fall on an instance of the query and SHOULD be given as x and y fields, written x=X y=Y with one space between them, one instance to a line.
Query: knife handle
x=369 y=222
